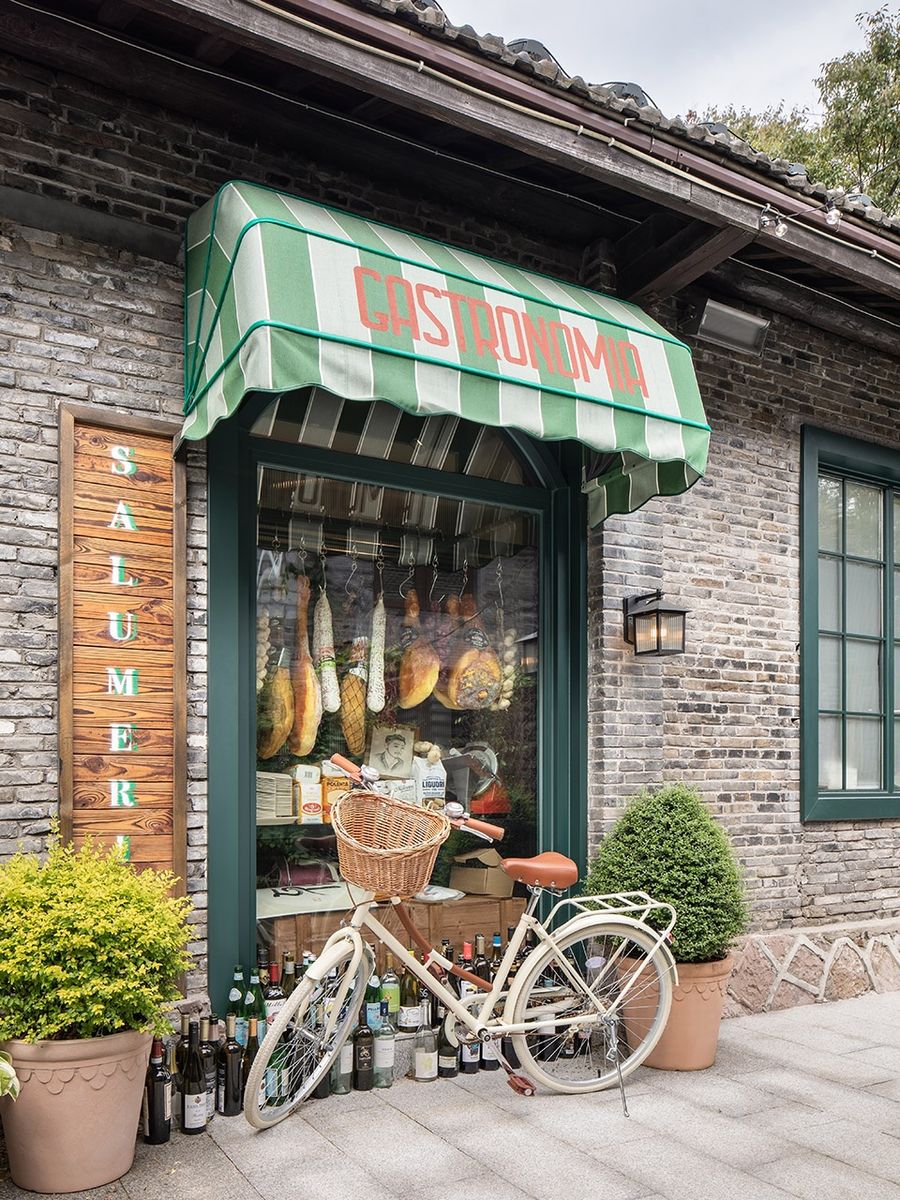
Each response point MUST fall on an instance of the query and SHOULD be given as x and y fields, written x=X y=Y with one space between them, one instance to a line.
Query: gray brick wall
x=725 y=716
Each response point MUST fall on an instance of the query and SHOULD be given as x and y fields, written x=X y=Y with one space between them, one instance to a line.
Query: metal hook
x=354 y=556
x=410 y=577
x=434 y=579
x=500 y=585
x=465 y=577
x=324 y=572
x=379 y=568
x=302 y=554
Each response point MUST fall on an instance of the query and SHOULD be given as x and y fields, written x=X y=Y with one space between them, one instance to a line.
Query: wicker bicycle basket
x=384 y=845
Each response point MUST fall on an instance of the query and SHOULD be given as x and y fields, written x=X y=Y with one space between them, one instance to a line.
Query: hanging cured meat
x=353 y=697
x=375 y=696
x=305 y=682
x=323 y=654
x=450 y=645
x=420 y=664
x=274 y=710
x=475 y=676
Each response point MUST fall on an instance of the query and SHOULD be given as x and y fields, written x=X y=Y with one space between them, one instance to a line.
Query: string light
x=771 y=221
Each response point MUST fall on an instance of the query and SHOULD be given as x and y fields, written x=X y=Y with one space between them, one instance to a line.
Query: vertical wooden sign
x=122 y=650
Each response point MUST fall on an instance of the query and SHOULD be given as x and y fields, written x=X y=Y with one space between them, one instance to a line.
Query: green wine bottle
x=229 y=1086
x=409 y=1017
x=390 y=987
x=193 y=1085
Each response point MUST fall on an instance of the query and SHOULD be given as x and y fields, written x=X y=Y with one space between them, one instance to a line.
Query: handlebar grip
x=497 y=832
x=349 y=768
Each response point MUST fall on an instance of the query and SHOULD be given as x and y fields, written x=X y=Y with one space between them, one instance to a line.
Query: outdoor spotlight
x=653 y=628
x=729 y=327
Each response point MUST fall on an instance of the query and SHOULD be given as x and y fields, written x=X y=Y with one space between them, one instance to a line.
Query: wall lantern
x=729 y=327
x=653 y=627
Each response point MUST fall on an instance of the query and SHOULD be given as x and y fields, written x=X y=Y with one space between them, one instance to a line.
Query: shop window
x=435 y=595
x=851 y=630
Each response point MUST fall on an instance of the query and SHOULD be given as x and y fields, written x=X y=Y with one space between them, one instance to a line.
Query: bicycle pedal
x=519 y=1084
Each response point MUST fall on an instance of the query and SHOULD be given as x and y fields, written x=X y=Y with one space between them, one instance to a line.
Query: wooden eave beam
x=662 y=256
x=480 y=113
x=214 y=51
x=802 y=303
x=115 y=14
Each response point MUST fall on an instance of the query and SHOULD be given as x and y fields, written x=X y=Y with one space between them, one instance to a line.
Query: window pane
x=863 y=520
x=897 y=677
x=896 y=527
x=863 y=599
x=897 y=754
x=864 y=677
x=897 y=601
x=830 y=673
x=829 y=593
x=830 y=754
x=863 y=753
x=829 y=513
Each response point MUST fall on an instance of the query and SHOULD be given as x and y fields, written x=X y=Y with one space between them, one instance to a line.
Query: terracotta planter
x=689 y=1040
x=74 y=1125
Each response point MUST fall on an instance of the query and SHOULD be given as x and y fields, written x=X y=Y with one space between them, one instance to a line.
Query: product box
x=307 y=773
x=332 y=789
x=310 y=804
x=479 y=874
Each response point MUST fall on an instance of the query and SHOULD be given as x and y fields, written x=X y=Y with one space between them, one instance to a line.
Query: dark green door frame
x=233 y=456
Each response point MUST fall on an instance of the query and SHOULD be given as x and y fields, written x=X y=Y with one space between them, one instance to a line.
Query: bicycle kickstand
x=612 y=1055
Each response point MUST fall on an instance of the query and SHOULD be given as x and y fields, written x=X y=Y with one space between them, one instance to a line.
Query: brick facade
x=83 y=322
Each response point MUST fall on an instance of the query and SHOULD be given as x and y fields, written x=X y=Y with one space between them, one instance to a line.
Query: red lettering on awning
x=402 y=306
x=380 y=320
x=442 y=337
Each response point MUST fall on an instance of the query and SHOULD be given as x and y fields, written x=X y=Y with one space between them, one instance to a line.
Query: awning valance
x=283 y=293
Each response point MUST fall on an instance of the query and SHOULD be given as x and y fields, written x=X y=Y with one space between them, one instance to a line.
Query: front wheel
x=598 y=1005
x=297 y=1050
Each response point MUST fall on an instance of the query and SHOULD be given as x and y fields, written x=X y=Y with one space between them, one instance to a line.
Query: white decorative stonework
x=803 y=966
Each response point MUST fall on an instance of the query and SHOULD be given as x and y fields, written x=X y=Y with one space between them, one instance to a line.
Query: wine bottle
x=193 y=1084
x=274 y=995
x=448 y=1056
x=182 y=1048
x=215 y=1031
x=175 y=1075
x=384 y=1048
x=262 y=965
x=288 y=974
x=373 y=1002
x=255 y=1003
x=390 y=987
x=250 y=1052
x=426 y=1054
x=410 y=1014
x=496 y=956
x=229 y=1083
x=342 y=1071
x=470 y=1058
x=481 y=966
x=363 y=1054
x=157 y=1107
x=323 y=1087
x=208 y=1055
x=236 y=1004
x=465 y=962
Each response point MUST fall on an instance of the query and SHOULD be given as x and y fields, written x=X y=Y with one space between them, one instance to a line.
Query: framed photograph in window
x=391 y=750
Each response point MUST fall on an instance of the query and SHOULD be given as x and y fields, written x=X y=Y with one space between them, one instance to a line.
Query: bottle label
x=167 y=1101
x=447 y=1062
x=426 y=1064
x=234 y=995
x=373 y=1014
x=273 y=1008
x=363 y=1057
x=471 y=1052
x=410 y=1016
x=194 y=1115
x=489 y=1051
x=391 y=993
x=384 y=1052
x=346 y=1061
x=240 y=1030
x=271 y=1082
x=220 y=1088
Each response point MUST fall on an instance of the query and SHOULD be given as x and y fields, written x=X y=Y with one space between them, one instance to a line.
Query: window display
x=399 y=628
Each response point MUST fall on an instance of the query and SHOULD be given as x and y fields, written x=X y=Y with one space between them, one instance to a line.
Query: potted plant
x=667 y=844
x=90 y=955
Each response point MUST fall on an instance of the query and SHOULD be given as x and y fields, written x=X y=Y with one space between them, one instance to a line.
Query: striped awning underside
x=283 y=293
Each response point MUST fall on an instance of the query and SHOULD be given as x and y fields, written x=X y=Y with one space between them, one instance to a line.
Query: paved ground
x=804 y=1103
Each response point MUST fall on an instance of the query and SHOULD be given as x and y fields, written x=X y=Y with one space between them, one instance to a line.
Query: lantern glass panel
x=671 y=632
x=646 y=633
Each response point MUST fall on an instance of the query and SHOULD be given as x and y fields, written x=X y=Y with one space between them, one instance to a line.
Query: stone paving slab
x=801 y=1104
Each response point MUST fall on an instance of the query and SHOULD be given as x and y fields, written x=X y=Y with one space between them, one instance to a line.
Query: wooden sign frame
x=165 y=583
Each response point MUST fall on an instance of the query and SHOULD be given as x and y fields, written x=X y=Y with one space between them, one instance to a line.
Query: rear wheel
x=612 y=988
x=296 y=1053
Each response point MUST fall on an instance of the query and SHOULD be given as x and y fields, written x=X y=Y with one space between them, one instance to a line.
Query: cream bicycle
x=584 y=1009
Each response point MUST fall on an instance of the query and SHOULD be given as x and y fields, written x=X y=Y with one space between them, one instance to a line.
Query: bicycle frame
x=479 y=1021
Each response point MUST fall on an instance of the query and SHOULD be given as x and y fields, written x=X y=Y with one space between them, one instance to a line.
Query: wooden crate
x=458 y=920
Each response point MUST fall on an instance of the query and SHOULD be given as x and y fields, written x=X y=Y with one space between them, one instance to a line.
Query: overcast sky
x=750 y=53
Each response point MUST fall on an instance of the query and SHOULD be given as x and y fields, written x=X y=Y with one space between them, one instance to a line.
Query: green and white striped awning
x=284 y=294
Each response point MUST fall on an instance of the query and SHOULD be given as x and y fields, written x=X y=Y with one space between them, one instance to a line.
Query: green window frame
x=833 y=625
x=233 y=456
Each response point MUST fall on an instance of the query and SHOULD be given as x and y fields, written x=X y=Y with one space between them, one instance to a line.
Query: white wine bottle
x=426 y=1054
x=384 y=1048
x=193 y=1085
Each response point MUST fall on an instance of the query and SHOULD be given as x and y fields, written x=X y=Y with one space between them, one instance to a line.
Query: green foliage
x=856 y=143
x=667 y=844
x=88 y=946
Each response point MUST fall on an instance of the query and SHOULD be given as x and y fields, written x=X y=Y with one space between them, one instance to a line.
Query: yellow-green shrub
x=87 y=945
